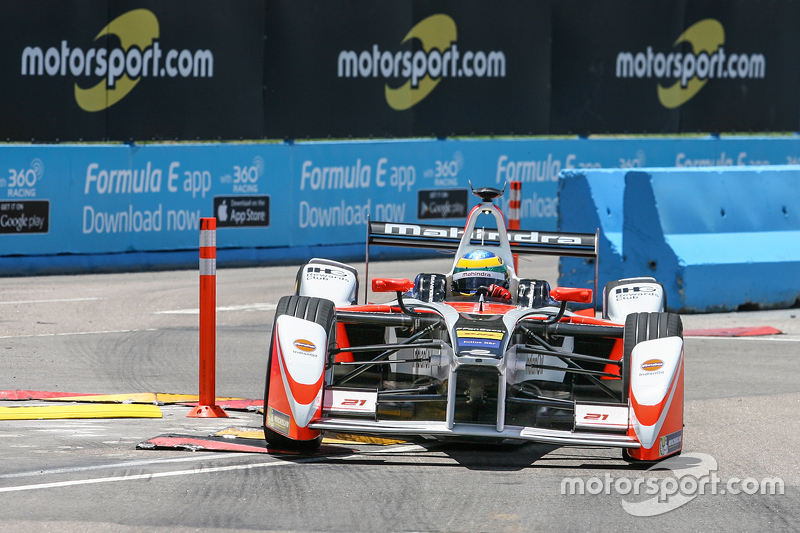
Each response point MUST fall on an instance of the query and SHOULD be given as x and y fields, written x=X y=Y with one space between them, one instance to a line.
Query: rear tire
x=534 y=294
x=640 y=327
x=430 y=287
x=318 y=310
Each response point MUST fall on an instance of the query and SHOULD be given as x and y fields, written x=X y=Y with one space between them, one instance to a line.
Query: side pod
x=297 y=370
x=656 y=398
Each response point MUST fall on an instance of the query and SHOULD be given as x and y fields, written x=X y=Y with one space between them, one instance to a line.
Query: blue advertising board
x=111 y=199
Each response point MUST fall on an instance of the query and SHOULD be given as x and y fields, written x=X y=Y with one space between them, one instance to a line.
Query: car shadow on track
x=499 y=457
x=486 y=457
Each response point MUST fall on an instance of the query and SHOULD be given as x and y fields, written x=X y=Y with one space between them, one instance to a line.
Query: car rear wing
x=449 y=237
x=522 y=242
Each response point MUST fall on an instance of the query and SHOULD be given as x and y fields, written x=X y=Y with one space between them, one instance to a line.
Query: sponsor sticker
x=326 y=273
x=480 y=234
x=304 y=345
x=636 y=292
x=671 y=443
x=651 y=365
x=486 y=343
x=350 y=401
x=592 y=416
x=278 y=421
x=479 y=334
x=479 y=339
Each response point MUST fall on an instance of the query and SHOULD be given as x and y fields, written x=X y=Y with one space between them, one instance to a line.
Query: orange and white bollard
x=207 y=407
x=514 y=204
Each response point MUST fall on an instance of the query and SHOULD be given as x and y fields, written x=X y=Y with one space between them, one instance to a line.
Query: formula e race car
x=476 y=354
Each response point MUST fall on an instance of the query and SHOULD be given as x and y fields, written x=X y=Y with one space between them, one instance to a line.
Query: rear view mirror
x=391 y=285
x=572 y=294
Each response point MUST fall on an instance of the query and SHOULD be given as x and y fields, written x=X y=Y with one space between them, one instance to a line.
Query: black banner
x=93 y=70
x=209 y=79
x=356 y=68
x=756 y=86
x=37 y=94
x=125 y=69
x=241 y=211
x=24 y=216
x=442 y=203
x=623 y=66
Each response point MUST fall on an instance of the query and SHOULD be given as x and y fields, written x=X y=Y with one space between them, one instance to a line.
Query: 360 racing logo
x=706 y=61
x=424 y=69
x=138 y=56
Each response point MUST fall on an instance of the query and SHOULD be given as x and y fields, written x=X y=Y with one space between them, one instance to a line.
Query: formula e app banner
x=397 y=69
x=131 y=69
x=98 y=199
x=626 y=66
x=58 y=199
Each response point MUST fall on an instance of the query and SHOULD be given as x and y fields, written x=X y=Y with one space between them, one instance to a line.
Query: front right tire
x=318 y=310
x=640 y=327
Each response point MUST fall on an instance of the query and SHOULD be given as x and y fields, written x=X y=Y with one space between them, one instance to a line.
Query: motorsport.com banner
x=94 y=70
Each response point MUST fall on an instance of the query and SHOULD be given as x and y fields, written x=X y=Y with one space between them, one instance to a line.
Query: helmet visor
x=470 y=280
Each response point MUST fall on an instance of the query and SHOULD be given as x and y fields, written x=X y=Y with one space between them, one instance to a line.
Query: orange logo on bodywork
x=304 y=345
x=652 y=365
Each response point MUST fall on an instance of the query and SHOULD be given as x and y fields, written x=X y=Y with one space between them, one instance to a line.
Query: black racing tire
x=430 y=287
x=534 y=294
x=318 y=310
x=640 y=327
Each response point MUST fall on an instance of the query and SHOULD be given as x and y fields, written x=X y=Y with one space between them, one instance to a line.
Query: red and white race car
x=476 y=353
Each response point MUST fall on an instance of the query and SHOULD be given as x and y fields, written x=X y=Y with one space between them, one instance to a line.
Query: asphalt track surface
x=137 y=333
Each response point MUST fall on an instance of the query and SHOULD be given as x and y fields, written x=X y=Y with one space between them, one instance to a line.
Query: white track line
x=51 y=301
x=77 y=333
x=200 y=470
x=248 y=307
x=765 y=338
x=399 y=448
x=126 y=464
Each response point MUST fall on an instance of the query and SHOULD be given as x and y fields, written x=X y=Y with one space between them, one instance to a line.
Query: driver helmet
x=479 y=268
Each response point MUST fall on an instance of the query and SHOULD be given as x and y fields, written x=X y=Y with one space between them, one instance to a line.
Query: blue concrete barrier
x=592 y=200
x=719 y=239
